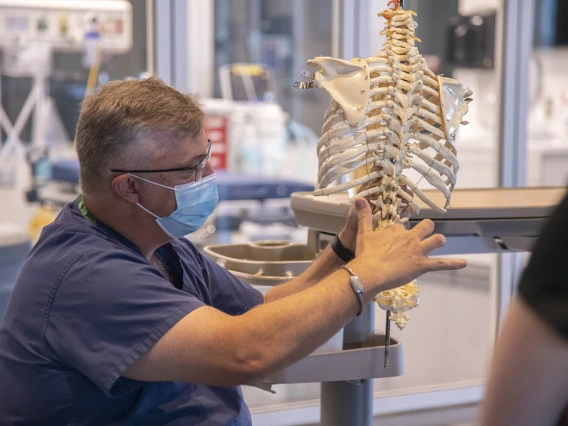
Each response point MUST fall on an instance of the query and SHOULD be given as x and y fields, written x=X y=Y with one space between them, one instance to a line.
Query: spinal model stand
x=388 y=113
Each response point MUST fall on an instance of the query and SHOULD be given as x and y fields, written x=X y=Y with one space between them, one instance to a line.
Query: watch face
x=356 y=283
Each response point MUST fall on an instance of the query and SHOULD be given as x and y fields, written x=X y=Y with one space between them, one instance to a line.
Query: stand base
x=356 y=362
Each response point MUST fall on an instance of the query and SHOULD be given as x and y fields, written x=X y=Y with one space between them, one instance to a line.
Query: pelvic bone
x=389 y=112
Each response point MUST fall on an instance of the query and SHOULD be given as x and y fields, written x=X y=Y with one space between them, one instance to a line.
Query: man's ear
x=125 y=187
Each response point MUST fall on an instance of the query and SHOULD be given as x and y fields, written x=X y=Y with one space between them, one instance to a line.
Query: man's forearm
x=326 y=264
x=234 y=350
x=287 y=330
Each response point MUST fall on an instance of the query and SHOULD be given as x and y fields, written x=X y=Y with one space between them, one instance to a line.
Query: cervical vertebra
x=389 y=112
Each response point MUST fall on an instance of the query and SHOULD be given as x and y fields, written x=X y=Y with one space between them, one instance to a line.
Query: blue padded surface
x=11 y=260
x=238 y=186
x=231 y=186
x=65 y=171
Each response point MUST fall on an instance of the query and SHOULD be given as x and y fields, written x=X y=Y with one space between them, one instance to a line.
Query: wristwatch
x=357 y=287
x=340 y=250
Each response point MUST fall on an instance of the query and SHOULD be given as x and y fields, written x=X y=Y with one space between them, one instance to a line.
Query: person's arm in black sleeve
x=528 y=383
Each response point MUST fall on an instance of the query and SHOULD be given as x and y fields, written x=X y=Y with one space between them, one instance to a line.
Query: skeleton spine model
x=389 y=112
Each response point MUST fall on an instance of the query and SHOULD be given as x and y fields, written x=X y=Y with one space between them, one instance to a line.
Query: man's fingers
x=364 y=215
x=441 y=264
x=433 y=242
x=424 y=228
x=352 y=216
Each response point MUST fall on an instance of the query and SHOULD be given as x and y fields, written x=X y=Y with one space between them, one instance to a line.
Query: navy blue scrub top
x=88 y=304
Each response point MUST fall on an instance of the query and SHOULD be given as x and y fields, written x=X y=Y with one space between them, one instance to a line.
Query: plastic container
x=255 y=135
x=264 y=264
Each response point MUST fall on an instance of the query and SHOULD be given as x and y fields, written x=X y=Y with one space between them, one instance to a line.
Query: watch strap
x=340 y=250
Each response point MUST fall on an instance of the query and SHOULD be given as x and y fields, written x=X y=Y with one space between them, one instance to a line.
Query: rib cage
x=389 y=112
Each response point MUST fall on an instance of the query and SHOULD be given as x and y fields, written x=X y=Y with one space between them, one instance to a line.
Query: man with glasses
x=118 y=319
x=195 y=200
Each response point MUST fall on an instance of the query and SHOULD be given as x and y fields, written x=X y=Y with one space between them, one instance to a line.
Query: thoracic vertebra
x=389 y=112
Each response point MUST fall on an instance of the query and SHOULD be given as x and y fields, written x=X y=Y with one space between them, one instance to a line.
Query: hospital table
x=479 y=221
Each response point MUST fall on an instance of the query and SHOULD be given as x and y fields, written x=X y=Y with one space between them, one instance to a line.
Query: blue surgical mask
x=195 y=203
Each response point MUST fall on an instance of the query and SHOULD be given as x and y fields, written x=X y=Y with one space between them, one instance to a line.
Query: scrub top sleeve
x=544 y=284
x=229 y=294
x=107 y=310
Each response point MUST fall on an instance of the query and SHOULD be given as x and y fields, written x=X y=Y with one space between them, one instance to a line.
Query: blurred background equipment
x=247 y=82
x=31 y=31
x=470 y=42
x=31 y=34
x=37 y=120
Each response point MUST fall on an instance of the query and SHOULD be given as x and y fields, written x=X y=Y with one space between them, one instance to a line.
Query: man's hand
x=348 y=235
x=392 y=257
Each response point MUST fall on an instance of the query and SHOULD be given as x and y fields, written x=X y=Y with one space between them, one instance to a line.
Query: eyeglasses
x=198 y=169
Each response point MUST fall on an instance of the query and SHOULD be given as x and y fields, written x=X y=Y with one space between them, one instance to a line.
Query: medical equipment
x=67 y=25
x=247 y=82
x=248 y=137
x=31 y=30
x=263 y=263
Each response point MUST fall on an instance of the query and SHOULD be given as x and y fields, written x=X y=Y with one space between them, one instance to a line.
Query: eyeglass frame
x=198 y=169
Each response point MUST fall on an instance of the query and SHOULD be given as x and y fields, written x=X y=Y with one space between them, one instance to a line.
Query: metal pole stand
x=351 y=402
x=347 y=403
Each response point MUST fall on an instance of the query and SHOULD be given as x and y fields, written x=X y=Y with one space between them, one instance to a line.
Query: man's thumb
x=364 y=215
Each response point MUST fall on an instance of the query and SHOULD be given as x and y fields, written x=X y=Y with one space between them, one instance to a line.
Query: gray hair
x=122 y=113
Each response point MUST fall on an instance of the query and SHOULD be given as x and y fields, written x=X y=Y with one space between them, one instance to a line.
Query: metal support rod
x=517 y=50
x=516 y=45
x=359 y=329
x=387 y=338
x=150 y=48
x=164 y=42
x=179 y=50
x=347 y=403
x=351 y=403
